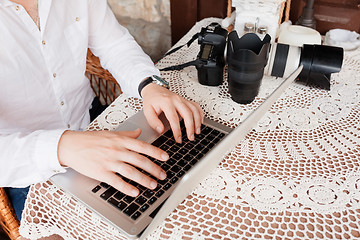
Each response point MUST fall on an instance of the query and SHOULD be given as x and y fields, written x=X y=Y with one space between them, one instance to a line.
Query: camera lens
x=246 y=56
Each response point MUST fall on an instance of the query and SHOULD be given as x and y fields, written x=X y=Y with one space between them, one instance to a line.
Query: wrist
x=152 y=80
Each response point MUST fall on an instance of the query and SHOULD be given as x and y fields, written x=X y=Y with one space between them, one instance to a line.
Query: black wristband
x=143 y=84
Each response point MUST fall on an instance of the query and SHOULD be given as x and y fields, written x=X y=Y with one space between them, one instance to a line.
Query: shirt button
x=17 y=8
x=77 y=19
x=43 y=42
x=56 y=171
x=62 y=103
x=54 y=75
x=69 y=126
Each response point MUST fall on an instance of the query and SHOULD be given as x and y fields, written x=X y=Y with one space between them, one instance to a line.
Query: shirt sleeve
x=118 y=51
x=33 y=157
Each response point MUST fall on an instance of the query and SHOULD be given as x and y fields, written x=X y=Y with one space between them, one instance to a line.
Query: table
x=295 y=176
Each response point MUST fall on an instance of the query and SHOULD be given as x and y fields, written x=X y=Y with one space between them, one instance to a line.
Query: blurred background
x=158 y=24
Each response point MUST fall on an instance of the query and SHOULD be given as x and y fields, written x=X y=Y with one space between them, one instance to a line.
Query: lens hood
x=246 y=57
x=319 y=62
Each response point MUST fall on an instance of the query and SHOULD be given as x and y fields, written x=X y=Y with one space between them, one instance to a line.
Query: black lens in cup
x=246 y=57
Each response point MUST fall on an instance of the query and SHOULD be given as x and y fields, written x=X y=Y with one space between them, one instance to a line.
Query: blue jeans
x=17 y=197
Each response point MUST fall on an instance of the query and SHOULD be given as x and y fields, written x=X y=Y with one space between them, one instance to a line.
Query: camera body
x=211 y=62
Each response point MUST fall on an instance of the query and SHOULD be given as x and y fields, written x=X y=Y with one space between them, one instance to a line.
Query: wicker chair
x=107 y=89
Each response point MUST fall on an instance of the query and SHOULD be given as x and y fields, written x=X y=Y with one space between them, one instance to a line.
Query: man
x=45 y=97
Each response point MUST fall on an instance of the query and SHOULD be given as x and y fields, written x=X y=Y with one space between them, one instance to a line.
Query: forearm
x=28 y=158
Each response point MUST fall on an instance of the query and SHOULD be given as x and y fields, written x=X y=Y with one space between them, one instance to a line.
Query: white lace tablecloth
x=295 y=176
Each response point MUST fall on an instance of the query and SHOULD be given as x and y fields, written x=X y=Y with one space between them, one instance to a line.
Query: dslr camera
x=210 y=61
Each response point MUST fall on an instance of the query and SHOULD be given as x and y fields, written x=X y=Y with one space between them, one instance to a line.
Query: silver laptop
x=189 y=163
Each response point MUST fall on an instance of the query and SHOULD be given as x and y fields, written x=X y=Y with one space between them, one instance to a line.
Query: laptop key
x=215 y=132
x=187 y=167
x=175 y=168
x=121 y=205
x=194 y=161
x=199 y=147
x=170 y=174
x=183 y=151
x=159 y=193
x=180 y=173
x=162 y=182
x=174 y=180
x=164 y=147
x=136 y=215
x=188 y=157
x=205 y=142
x=141 y=200
x=189 y=146
x=168 y=133
x=152 y=200
x=104 y=185
x=119 y=195
x=128 y=199
x=159 y=141
x=177 y=156
x=144 y=207
x=165 y=167
x=194 y=152
x=205 y=150
x=148 y=193
x=170 y=142
x=96 y=189
x=171 y=162
x=199 y=156
x=182 y=163
x=108 y=193
x=174 y=148
x=131 y=209
x=113 y=202
x=167 y=186
x=206 y=130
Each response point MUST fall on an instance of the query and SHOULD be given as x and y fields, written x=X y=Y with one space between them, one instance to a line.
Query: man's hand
x=158 y=99
x=100 y=155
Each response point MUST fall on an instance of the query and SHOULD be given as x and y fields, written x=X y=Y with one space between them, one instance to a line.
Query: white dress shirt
x=43 y=89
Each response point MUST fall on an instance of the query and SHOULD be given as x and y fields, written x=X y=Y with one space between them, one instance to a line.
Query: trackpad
x=139 y=121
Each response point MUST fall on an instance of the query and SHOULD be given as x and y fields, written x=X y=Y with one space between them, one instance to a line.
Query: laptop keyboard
x=182 y=158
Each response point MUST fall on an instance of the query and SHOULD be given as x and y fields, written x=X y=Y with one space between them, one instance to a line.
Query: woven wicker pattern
x=102 y=82
x=8 y=221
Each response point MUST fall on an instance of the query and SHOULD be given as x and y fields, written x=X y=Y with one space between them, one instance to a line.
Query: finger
x=174 y=121
x=153 y=119
x=187 y=114
x=117 y=182
x=130 y=172
x=141 y=162
x=131 y=134
x=143 y=147
x=197 y=114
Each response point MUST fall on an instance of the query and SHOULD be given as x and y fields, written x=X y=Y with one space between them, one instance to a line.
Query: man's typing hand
x=102 y=154
x=158 y=99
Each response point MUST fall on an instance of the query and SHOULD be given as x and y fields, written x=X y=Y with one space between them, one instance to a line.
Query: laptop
x=189 y=163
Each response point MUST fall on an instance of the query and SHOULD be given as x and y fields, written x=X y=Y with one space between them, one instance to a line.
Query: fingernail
x=165 y=156
x=192 y=137
x=153 y=185
x=158 y=129
x=134 y=192
x=198 y=131
x=179 y=139
x=162 y=175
